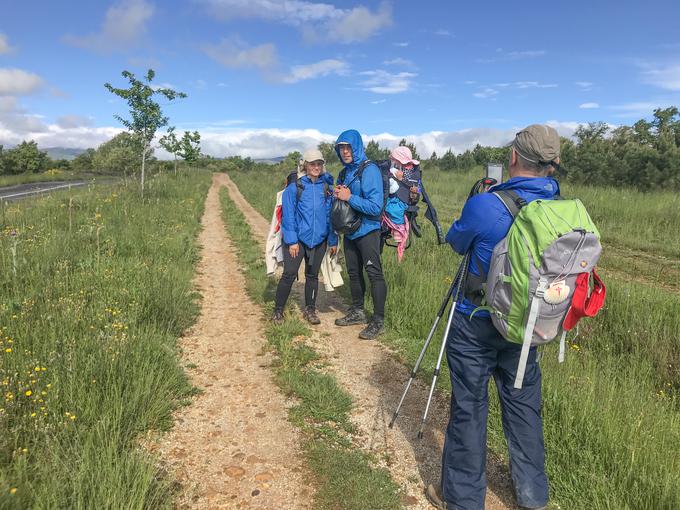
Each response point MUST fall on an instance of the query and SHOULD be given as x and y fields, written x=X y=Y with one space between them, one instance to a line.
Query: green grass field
x=612 y=420
x=95 y=288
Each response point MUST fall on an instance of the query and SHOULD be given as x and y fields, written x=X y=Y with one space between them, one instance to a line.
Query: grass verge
x=345 y=477
x=612 y=411
x=95 y=288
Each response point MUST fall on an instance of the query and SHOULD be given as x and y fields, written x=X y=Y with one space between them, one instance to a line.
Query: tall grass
x=95 y=287
x=611 y=414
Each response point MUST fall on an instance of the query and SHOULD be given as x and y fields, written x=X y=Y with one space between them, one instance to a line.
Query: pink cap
x=403 y=155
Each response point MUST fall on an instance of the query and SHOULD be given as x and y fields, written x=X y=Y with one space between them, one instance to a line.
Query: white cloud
x=17 y=82
x=4 y=45
x=588 y=106
x=502 y=55
x=379 y=101
x=517 y=55
x=268 y=143
x=382 y=82
x=401 y=44
x=639 y=109
x=15 y=119
x=359 y=24
x=73 y=121
x=442 y=32
x=123 y=27
x=400 y=62
x=233 y=53
x=534 y=84
x=485 y=93
x=316 y=70
x=328 y=22
x=585 y=86
x=666 y=77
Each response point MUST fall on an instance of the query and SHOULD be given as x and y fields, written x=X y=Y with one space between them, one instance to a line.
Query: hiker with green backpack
x=532 y=259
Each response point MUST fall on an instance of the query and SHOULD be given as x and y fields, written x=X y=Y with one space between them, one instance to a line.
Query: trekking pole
x=442 y=308
x=463 y=271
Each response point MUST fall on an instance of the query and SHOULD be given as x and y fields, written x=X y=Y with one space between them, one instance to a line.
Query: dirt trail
x=234 y=447
x=370 y=373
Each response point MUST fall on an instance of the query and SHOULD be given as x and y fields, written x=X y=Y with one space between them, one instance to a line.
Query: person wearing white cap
x=307 y=232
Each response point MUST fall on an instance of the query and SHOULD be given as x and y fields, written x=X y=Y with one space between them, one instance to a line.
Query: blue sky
x=264 y=77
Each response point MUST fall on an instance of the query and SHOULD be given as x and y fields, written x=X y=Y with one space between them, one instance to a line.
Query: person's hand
x=399 y=174
x=342 y=193
x=333 y=250
x=294 y=250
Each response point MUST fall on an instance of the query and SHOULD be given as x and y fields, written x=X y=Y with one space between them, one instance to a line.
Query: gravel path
x=370 y=373
x=233 y=447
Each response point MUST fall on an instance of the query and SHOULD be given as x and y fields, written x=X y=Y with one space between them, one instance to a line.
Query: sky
x=266 y=77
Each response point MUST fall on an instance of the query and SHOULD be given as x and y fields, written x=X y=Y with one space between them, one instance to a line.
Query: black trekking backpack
x=384 y=167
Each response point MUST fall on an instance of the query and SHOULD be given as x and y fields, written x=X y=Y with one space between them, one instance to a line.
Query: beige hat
x=538 y=144
x=312 y=155
x=308 y=156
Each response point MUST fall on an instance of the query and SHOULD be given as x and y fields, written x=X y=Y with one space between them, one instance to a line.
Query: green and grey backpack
x=533 y=270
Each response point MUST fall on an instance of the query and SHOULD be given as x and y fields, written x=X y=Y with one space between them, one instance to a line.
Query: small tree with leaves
x=171 y=144
x=190 y=147
x=146 y=114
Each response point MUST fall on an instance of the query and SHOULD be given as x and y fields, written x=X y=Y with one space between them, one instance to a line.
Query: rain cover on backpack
x=533 y=271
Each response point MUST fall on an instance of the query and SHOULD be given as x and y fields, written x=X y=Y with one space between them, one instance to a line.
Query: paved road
x=27 y=190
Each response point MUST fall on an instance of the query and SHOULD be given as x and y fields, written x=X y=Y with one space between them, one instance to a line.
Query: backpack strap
x=300 y=188
x=511 y=200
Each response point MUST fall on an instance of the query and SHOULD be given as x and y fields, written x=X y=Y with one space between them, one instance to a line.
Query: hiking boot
x=277 y=317
x=434 y=496
x=354 y=316
x=374 y=328
x=310 y=315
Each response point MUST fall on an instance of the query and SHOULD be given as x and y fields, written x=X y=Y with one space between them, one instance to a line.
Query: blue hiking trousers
x=476 y=351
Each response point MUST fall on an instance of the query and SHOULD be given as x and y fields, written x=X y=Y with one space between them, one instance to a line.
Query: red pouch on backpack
x=582 y=303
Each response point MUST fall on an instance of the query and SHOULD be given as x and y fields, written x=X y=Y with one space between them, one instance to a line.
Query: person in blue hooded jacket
x=306 y=231
x=362 y=247
x=476 y=351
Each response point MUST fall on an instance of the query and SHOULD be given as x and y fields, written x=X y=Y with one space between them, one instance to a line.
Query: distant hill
x=62 y=152
x=270 y=161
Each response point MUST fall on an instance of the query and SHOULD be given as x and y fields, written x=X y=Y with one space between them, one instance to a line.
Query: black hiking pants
x=363 y=253
x=313 y=258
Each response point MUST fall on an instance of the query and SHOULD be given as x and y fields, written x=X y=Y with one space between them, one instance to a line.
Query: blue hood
x=352 y=137
x=535 y=187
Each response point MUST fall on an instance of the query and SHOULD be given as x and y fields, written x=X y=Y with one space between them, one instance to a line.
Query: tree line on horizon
x=645 y=155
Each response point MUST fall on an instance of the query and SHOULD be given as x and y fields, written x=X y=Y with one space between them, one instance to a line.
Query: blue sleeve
x=289 y=226
x=472 y=224
x=371 y=203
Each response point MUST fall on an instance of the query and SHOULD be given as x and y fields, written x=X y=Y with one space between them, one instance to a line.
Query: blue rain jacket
x=485 y=221
x=308 y=221
x=367 y=192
